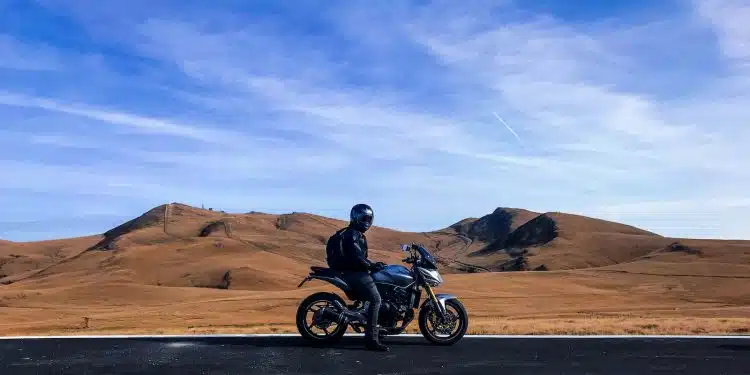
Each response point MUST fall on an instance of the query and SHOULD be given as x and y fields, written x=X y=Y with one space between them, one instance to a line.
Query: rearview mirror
x=405 y=247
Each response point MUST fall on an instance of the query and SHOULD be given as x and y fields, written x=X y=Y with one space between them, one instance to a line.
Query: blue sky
x=431 y=111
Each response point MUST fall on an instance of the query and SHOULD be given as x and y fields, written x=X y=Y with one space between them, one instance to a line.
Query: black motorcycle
x=443 y=320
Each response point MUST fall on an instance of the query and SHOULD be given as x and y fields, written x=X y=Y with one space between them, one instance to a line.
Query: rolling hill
x=185 y=238
x=179 y=266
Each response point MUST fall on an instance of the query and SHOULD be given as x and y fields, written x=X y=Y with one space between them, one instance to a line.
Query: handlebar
x=411 y=248
x=412 y=255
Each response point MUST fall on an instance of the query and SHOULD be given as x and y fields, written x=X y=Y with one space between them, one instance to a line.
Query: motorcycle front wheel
x=444 y=331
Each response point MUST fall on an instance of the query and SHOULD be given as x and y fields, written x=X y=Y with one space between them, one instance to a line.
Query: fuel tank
x=394 y=274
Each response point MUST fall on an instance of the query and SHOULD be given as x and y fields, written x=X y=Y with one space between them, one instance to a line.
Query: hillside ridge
x=204 y=245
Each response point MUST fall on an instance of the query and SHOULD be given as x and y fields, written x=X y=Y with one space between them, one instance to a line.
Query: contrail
x=507 y=127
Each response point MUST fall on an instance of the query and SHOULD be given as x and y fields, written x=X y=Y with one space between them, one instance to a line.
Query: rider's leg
x=364 y=286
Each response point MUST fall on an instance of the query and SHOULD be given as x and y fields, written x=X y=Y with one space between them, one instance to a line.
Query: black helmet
x=361 y=217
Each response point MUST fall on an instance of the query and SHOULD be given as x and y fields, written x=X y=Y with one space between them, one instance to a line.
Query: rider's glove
x=378 y=266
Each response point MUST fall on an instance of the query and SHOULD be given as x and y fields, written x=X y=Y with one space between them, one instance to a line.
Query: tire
x=302 y=312
x=463 y=321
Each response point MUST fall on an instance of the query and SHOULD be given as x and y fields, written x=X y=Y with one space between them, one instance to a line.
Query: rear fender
x=341 y=284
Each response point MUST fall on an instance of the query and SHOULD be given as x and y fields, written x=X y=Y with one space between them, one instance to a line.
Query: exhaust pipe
x=333 y=316
x=343 y=316
x=349 y=314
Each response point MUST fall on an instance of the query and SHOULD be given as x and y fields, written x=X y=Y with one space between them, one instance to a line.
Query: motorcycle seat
x=335 y=278
x=322 y=271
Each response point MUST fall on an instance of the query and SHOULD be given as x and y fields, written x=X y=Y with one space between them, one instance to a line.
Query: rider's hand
x=378 y=266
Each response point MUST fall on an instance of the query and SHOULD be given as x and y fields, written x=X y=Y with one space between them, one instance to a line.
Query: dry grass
x=536 y=303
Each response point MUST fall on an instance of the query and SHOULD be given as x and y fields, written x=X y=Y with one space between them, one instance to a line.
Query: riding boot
x=372 y=340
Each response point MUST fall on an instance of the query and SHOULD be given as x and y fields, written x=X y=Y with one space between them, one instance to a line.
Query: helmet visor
x=362 y=216
x=366 y=218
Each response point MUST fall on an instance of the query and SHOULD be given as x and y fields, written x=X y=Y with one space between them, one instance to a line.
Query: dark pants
x=364 y=287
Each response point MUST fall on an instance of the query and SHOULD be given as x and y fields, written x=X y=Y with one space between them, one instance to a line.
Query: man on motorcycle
x=347 y=253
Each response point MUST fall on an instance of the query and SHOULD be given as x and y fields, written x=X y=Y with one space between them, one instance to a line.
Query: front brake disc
x=446 y=326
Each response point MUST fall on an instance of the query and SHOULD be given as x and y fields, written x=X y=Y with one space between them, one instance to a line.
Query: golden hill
x=180 y=268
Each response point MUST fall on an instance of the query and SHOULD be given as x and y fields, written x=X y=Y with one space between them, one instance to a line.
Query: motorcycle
x=443 y=320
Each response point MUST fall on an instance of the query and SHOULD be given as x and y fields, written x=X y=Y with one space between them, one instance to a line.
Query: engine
x=396 y=302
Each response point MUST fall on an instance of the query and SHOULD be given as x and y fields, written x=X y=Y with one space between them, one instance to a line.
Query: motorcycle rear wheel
x=430 y=311
x=305 y=308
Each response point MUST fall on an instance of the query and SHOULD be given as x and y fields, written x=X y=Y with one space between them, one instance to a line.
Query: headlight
x=431 y=277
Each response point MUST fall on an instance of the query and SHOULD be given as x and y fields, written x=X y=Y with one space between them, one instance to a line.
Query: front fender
x=441 y=298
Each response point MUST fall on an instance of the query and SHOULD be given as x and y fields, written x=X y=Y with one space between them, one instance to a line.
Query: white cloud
x=686 y=206
x=541 y=70
x=140 y=123
x=729 y=19
x=348 y=115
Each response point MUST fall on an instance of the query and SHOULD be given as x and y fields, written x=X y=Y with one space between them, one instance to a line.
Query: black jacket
x=352 y=255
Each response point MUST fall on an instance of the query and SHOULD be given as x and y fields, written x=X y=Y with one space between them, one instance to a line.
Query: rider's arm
x=354 y=251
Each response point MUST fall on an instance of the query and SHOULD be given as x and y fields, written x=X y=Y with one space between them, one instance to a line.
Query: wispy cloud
x=288 y=109
x=729 y=20
x=140 y=123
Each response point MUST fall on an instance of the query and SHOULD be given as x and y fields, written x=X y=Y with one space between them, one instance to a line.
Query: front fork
x=435 y=301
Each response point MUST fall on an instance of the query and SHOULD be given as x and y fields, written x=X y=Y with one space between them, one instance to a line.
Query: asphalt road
x=409 y=355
